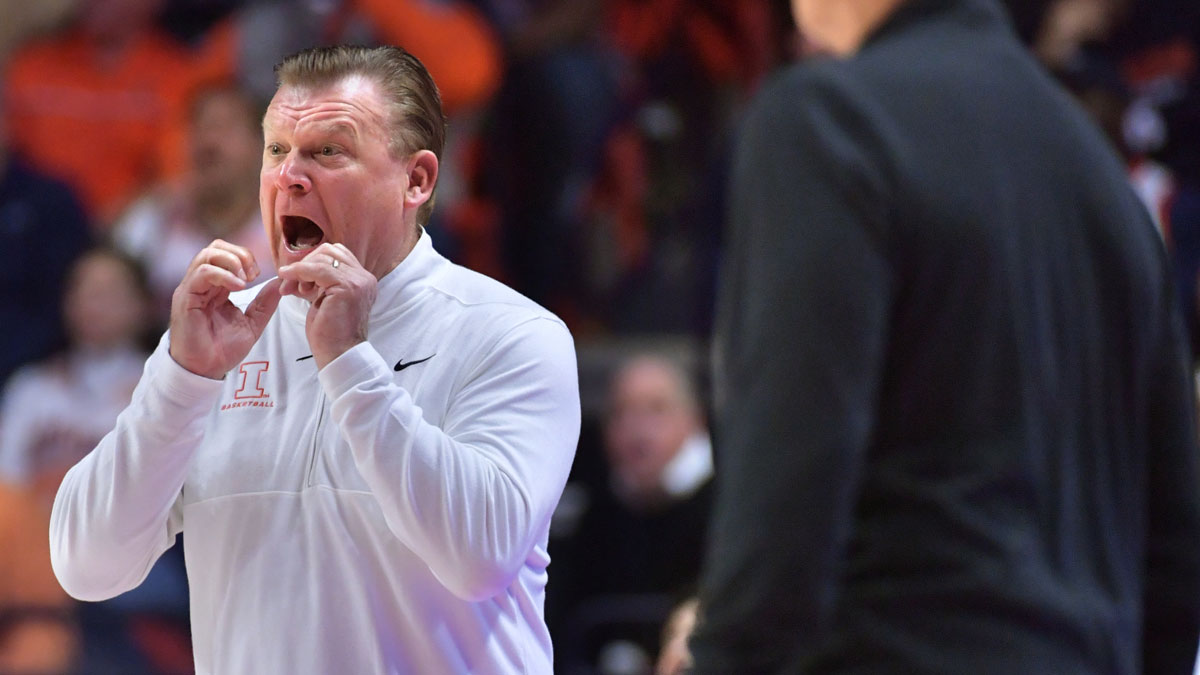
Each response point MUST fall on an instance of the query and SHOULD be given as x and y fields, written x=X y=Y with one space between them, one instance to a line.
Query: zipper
x=310 y=480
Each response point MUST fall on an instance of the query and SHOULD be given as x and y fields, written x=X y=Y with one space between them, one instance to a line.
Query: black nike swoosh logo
x=304 y=357
x=401 y=365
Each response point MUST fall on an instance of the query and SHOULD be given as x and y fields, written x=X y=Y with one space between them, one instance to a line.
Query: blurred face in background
x=652 y=413
x=116 y=21
x=224 y=145
x=105 y=305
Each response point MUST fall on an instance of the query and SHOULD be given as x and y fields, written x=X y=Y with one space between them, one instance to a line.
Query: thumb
x=260 y=310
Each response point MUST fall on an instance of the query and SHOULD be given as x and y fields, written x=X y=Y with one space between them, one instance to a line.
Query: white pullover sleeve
x=114 y=513
x=474 y=497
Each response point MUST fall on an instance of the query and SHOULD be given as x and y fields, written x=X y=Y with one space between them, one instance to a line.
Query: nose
x=292 y=177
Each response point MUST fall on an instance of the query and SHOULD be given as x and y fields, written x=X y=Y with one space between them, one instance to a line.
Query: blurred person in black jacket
x=954 y=421
x=637 y=545
x=43 y=229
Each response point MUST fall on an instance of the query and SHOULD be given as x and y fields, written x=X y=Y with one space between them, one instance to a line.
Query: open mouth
x=301 y=234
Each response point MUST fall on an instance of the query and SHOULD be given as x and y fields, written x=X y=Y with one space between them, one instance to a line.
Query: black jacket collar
x=970 y=11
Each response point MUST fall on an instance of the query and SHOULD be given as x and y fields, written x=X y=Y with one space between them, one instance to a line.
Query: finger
x=349 y=256
x=309 y=291
x=288 y=286
x=249 y=263
x=321 y=264
x=332 y=249
x=299 y=288
x=321 y=273
x=329 y=252
x=218 y=258
x=236 y=259
x=260 y=310
x=207 y=277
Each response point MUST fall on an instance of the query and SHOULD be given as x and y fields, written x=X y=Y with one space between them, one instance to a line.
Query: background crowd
x=586 y=168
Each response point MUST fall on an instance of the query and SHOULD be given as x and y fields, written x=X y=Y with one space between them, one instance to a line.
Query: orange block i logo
x=251 y=374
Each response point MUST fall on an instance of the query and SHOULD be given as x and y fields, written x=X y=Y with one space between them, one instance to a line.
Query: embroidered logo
x=250 y=392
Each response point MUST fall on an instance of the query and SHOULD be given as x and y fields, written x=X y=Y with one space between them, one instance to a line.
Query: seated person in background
x=217 y=198
x=52 y=414
x=656 y=443
x=637 y=547
x=42 y=230
x=112 y=85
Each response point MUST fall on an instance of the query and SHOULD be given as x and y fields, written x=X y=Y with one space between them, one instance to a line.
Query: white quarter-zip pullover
x=388 y=514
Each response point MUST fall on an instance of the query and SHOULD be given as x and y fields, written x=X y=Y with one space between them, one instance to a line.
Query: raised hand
x=209 y=334
x=342 y=294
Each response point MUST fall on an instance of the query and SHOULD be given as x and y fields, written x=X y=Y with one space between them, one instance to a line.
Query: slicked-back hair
x=415 y=117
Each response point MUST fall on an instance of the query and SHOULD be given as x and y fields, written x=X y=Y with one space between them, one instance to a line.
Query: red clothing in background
x=108 y=123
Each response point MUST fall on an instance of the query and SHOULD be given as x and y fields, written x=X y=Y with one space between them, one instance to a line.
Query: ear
x=422 y=177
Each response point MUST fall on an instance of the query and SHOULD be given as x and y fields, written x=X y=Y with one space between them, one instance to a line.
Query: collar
x=690 y=468
x=909 y=11
x=396 y=289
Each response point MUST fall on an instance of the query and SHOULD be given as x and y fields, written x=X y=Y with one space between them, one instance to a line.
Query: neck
x=841 y=26
x=382 y=260
x=406 y=248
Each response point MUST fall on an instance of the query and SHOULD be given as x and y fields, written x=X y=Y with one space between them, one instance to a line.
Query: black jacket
x=954 y=417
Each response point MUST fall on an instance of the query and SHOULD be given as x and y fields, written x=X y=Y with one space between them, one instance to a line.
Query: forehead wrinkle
x=325 y=125
x=351 y=102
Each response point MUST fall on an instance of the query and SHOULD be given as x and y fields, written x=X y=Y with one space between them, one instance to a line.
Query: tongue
x=308 y=238
x=305 y=234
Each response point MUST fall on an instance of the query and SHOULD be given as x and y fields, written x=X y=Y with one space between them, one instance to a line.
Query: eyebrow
x=338 y=128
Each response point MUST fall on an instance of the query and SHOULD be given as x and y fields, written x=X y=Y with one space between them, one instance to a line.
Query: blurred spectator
x=1133 y=67
x=636 y=547
x=543 y=139
x=1099 y=87
x=37 y=627
x=1069 y=26
x=657 y=447
x=607 y=145
x=654 y=242
x=52 y=414
x=217 y=198
x=451 y=37
x=731 y=41
x=99 y=103
x=42 y=230
x=20 y=20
